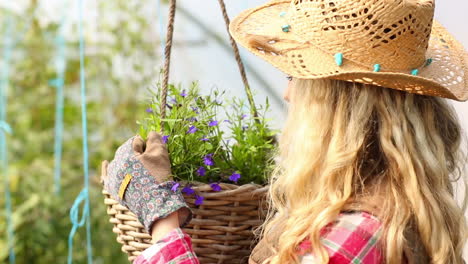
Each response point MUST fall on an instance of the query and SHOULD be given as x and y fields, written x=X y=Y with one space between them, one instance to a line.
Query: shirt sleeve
x=174 y=248
x=352 y=238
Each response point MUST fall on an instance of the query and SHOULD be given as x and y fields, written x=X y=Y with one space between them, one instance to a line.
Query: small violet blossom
x=192 y=130
x=195 y=109
x=208 y=160
x=201 y=171
x=173 y=100
x=235 y=177
x=188 y=190
x=199 y=200
x=175 y=186
x=165 y=139
x=213 y=123
x=215 y=187
x=149 y=110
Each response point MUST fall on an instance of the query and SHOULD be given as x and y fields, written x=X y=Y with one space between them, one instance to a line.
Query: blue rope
x=58 y=83
x=5 y=128
x=83 y=197
x=74 y=211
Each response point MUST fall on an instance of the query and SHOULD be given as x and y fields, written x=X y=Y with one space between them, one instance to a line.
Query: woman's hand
x=139 y=178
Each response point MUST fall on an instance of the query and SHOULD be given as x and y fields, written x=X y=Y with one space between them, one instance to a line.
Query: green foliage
x=209 y=140
x=41 y=217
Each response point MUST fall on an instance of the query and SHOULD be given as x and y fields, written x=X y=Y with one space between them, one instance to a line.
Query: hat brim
x=444 y=77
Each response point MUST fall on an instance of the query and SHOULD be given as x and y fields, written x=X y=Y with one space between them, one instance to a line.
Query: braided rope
x=167 y=55
x=240 y=64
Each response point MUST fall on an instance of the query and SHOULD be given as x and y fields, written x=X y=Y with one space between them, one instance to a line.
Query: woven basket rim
x=134 y=239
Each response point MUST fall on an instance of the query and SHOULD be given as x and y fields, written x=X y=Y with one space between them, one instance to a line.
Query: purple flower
x=165 y=139
x=235 y=177
x=195 y=109
x=201 y=171
x=192 y=130
x=213 y=123
x=208 y=160
x=175 y=186
x=188 y=190
x=199 y=200
x=183 y=94
x=215 y=187
x=149 y=110
x=204 y=138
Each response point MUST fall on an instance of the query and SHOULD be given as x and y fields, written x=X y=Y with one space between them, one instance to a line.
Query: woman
x=370 y=149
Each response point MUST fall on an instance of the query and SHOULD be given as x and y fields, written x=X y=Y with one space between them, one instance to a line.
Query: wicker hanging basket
x=221 y=228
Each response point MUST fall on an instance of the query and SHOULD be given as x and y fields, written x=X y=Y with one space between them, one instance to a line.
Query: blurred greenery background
x=41 y=217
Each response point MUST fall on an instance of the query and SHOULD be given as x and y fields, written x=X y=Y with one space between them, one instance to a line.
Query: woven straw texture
x=221 y=228
x=400 y=36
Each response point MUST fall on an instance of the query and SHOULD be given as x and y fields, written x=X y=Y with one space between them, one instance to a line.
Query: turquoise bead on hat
x=339 y=59
x=377 y=67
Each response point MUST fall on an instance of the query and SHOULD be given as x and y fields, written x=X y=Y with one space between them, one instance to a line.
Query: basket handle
x=167 y=58
x=240 y=64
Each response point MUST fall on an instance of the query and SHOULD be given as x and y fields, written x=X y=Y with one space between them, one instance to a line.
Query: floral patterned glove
x=139 y=178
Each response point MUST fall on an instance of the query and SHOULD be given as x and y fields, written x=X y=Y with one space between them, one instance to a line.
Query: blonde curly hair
x=396 y=154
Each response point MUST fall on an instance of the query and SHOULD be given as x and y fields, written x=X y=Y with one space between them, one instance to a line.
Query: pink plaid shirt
x=351 y=239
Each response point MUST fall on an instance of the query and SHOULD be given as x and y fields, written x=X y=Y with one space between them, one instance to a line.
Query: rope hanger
x=60 y=63
x=167 y=60
x=83 y=197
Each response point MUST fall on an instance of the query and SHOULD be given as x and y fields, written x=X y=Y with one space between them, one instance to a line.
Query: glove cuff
x=159 y=203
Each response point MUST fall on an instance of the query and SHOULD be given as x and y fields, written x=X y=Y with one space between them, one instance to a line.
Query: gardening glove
x=139 y=178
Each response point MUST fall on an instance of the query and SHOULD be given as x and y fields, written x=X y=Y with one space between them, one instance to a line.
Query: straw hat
x=390 y=43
